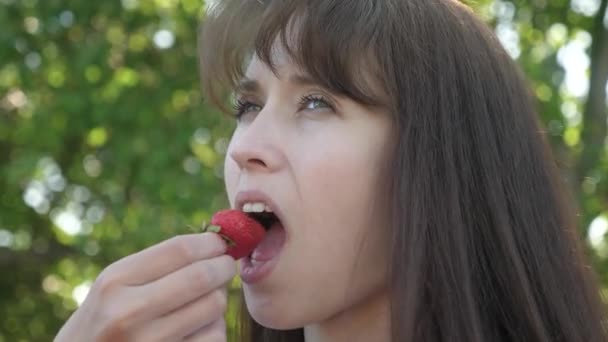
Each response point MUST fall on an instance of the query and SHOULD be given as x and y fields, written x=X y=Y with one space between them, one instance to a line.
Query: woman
x=397 y=144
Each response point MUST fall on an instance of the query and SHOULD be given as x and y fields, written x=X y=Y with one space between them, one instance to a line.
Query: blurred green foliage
x=106 y=146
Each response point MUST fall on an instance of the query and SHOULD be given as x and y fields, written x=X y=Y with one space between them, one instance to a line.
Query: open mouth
x=262 y=260
x=266 y=219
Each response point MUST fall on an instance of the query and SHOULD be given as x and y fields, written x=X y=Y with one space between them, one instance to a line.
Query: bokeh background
x=106 y=146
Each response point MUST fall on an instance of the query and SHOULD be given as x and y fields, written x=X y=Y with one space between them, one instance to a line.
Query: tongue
x=271 y=243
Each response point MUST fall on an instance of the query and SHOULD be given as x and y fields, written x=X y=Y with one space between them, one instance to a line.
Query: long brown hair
x=485 y=246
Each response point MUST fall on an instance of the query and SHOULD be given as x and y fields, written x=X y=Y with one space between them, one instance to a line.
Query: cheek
x=339 y=199
x=231 y=176
x=338 y=178
x=342 y=238
x=342 y=191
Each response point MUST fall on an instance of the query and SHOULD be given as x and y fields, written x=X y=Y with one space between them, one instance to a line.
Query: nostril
x=248 y=157
x=256 y=161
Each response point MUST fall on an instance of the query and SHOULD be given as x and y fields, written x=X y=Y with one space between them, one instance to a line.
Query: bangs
x=332 y=41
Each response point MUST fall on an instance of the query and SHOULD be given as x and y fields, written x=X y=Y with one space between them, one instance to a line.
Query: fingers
x=172 y=285
x=188 y=319
x=170 y=255
x=215 y=332
x=185 y=285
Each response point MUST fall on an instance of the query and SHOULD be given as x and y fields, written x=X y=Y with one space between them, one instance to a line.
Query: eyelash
x=241 y=106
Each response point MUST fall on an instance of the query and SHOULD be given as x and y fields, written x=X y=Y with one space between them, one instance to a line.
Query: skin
x=318 y=160
x=179 y=296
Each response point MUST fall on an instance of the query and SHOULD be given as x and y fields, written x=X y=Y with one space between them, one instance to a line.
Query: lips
x=260 y=264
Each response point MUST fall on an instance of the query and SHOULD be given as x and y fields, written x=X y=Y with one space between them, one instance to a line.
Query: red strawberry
x=241 y=232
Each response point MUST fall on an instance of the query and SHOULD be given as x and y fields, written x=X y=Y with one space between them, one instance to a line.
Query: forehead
x=282 y=63
x=354 y=77
x=258 y=73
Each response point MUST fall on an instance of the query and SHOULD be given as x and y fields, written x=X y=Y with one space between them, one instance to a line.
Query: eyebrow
x=302 y=80
x=248 y=85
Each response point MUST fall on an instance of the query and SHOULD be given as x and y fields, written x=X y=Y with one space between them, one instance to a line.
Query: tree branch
x=594 y=130
x=13 y=260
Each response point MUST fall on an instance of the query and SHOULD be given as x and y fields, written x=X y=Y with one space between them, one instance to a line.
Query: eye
x=243 y=107
x=315 y=102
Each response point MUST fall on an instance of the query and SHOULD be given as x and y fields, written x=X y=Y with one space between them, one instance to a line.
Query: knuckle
x=118 y=316
x=229 y=264
x=152 y=335
x=218 y=301
x=203 y=276
x=106 y=282
x=214 y=333
x=219 y=336
x=218 y=333
x=114 y=324
x=182 y=248
x=133 y=307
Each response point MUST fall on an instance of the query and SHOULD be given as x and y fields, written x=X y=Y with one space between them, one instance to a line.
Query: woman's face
x=318 y=158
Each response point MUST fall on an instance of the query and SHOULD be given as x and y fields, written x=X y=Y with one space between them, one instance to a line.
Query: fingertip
x=216 y=243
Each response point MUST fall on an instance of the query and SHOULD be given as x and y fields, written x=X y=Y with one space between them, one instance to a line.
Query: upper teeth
x=256 y=207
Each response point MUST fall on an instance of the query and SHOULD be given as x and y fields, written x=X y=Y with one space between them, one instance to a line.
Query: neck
x=367 y=321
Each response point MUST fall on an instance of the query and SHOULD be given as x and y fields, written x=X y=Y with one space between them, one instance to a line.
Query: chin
x=273 y=315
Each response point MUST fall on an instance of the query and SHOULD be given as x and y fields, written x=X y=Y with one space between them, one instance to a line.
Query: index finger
x=168 y=256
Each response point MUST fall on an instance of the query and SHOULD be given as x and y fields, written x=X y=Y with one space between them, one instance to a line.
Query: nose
x=256 y=146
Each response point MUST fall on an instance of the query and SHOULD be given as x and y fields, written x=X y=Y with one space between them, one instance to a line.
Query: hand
x=172 y=291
